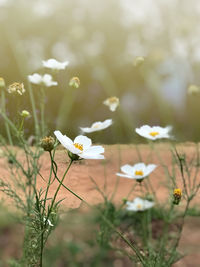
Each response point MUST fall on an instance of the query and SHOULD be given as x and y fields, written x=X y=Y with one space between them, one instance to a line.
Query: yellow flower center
x=96 y=125
x=79 y=146
x=113 y=100
x=153 y=133
x=139 y=206
x=139 y=172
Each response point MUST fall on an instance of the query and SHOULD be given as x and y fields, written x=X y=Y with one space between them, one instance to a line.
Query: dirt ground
x=103 y=172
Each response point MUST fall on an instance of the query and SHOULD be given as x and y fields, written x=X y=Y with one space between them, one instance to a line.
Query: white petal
x=139 y=166
x=150 y=168
x=87 y=130
x=35 y=78
x=63 y=139
x=128 y=169
x=83 y=140
x=91 y=156
x=124 y=175
x=95 y=150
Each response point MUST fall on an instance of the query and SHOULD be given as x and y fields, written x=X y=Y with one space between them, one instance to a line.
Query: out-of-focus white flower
x=139 y=204
x=54 y=64
x=16 y=88
x=193 y=89
x=112 y=103
x=48 y=221
x=97 y=126
x=138 y=171
x=4 y=3
x=43 y=8
x=155 y=132
x=45 y=79
x=81 y=146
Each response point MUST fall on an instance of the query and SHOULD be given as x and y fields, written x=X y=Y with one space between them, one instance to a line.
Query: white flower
x=54 y=64
x=139 y=204
x=97 y=126
x=137 y=171
x=155 y=132
x=49 y=222
x=81 y=146
x=46 y=79
x=112 y=103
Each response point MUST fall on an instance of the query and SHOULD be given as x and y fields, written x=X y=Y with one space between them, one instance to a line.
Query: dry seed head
x=47 y=143
x=16 y=88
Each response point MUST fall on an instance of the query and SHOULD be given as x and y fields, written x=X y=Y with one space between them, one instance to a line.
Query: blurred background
x=102 y=40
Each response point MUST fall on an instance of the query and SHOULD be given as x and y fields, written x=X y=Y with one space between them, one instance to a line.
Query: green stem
x=49 y=182
x=3 y=104
x=42 y=110
x=37 y=129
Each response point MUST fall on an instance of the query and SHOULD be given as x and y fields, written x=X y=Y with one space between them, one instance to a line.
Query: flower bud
x=25 y=114
x=74 y=82
x=73 y=156
x=16 y=88
x=124 y=200
x=193 y=89
x=2 y=82
x=47 y=143
x=138 y=61
x=177 y=196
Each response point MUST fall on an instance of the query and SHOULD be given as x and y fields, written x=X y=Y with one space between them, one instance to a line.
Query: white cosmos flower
x=155 y=132
x=112 y=103
x=45 y=79
x=137 y=171
x=81 y=146
x=54 y=64
x=97 y=126
x=139 y=204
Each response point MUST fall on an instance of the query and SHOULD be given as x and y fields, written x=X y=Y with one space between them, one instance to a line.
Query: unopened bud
x=138 y=61
x=177 y=196
x=73 y=156
x=2 y=82
x=193 y=89
x=47 y=143
x=75 y=82
x=25 y=114
x=124 y=200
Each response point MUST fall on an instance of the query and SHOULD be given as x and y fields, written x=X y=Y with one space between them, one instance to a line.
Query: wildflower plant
x=132 y=222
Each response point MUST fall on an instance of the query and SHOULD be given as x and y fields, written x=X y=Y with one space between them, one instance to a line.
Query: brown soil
x=103 y=172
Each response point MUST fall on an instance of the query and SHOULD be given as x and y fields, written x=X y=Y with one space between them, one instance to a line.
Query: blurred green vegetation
x=102 y=39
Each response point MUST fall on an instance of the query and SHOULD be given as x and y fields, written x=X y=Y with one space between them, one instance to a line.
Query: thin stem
x=42 y=110
x=49 y=183
x=3 y=104
x=37 y=128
